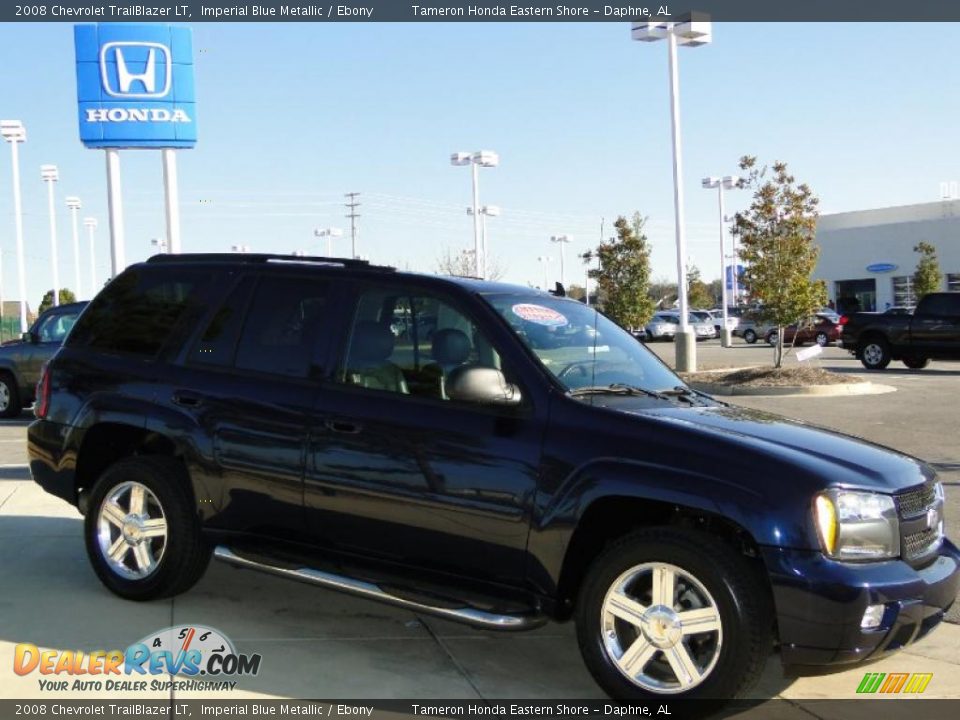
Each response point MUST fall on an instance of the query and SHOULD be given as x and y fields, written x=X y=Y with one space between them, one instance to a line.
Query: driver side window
x=409 y=343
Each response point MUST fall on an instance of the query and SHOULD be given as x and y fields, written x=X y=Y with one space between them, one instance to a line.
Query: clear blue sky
x=292 y=116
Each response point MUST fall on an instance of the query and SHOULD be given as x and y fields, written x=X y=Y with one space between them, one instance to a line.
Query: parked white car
x=664 y=325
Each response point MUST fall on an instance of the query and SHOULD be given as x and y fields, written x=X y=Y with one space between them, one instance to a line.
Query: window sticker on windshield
x=539 y=315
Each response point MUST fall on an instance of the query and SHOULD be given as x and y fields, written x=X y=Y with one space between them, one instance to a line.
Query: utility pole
x=352 y=206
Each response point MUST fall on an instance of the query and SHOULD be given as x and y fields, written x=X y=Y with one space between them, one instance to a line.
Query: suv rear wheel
x=875 y=354
x=10 y=406
x=142 y=533
x=669 y=613
x=750 y=336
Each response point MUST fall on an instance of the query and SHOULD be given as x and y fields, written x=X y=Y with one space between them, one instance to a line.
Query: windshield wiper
x=683 y=392
x=618 y=389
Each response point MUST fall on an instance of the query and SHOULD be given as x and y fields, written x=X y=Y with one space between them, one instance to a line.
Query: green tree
x=623 y=277
x=698 y=292
x=66 y=296
x=663 y=292
x=776 y=236
x=715 y=288
x=926 y=278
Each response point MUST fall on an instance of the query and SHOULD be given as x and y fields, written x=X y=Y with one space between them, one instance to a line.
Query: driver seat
x=368 y=364
x=450 y=349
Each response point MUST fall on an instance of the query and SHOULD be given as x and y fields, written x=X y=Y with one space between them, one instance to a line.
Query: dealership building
x=867 y=257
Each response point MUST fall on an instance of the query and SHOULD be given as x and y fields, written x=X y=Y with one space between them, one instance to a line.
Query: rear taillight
x=844 y=319
x=43 y=393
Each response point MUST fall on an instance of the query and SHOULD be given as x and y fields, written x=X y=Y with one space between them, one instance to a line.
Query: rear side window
x=941 y=305
x=136 y=313
x=283 y=326
x=219 y=340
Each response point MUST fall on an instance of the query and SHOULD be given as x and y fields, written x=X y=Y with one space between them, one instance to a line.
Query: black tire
x=875 y=353
x=823 y=339
x=772 y=338
x=185 y=555
x=10 y=393
x=750 y=336
x=916 y=363
x=741 y=599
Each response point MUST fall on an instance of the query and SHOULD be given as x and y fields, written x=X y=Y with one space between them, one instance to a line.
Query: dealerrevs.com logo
x=203 y=655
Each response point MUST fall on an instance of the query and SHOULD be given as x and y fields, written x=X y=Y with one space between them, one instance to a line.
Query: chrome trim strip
x=470 y=616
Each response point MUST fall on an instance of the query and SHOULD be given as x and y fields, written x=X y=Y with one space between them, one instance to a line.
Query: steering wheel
x=582 y=365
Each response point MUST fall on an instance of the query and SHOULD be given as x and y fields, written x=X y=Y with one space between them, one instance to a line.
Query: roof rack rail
x=262 y=258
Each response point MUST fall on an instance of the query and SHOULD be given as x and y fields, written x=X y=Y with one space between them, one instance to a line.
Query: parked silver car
x=664 y=325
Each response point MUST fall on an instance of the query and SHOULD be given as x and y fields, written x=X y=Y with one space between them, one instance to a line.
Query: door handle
x=185 y=399
x=347 y=427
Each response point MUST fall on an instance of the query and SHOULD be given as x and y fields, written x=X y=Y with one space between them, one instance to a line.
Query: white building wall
x=851 y=241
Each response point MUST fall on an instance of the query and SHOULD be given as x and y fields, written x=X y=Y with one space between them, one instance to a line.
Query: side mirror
x=483 y=385
x=29 y=337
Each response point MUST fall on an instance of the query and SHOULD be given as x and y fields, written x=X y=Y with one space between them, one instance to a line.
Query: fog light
x=872 y=617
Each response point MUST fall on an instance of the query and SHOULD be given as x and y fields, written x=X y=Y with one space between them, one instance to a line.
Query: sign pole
x=115 y=204
x=172 y=200
x=18 y=221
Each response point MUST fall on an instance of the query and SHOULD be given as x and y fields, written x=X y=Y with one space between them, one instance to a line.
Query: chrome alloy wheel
x=4 y=395
x=131 y=530
x=661 y=628
x=873 y=354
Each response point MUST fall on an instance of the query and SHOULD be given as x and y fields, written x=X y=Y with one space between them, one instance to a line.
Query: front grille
x=916 y=502
x=920 y=543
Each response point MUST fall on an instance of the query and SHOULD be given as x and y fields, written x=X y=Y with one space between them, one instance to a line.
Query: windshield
x=581 y=347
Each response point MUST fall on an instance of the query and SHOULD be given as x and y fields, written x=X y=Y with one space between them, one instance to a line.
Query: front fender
x=558 y=516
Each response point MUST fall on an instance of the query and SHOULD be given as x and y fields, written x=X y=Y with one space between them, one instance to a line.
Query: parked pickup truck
x=931 y=333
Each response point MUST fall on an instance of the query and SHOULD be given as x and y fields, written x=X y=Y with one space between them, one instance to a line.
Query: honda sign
x=135 y=86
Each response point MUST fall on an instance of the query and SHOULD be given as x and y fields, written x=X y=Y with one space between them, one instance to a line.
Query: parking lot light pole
x=545 y=260
x=90 y=223
x=727 y=182
x=15 y=133
x=476 y=160
x=329 y=234
x=485 y=212
x=73 y=203
x=562 y=240
x=692 y=32
x=50 y=174
x=160 y=244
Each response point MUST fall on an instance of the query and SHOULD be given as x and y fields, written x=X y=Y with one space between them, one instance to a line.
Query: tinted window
x=282 y=326
x=940 y=305
x=218 y=342
x=138 y=310
x=409 y=343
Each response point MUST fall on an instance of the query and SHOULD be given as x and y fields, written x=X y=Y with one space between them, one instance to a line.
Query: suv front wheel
x=668 y=613
x=142 y=532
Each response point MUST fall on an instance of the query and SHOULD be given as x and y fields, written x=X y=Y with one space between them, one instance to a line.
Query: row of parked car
x=705 y=323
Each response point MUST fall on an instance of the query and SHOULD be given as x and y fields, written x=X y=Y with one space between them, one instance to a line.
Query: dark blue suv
x=524 y=460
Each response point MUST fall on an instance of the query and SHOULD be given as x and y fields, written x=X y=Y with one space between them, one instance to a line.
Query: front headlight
x=857 y=525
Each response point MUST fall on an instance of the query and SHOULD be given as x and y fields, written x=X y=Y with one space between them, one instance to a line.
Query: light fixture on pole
x=727 y=182
x=476 y=160
x=240 y=248
x=329 y=234
x=160 y=244
x=49 y=174
x=485 y=212
x=545 y=260
x=73 y=203
x=562 y=240
x=90 y=223
x=15 y=133
x=299 y=253
x=692 y=32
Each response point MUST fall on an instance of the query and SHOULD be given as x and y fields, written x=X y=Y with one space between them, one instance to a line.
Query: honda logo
x=139 y=69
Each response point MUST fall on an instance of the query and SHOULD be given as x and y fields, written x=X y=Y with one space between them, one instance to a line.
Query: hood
x=838 y=458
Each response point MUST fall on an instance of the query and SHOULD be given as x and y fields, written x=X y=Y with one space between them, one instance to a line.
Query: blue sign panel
x=729 y=276
x=135 y=86
x=881 y=267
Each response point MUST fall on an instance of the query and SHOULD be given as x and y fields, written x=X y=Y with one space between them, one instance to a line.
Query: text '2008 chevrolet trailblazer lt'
x=480 y=452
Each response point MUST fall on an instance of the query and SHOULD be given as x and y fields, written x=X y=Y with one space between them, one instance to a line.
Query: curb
x=860 y=388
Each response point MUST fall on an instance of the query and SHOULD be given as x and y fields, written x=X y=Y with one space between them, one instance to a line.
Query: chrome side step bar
x=361 y=588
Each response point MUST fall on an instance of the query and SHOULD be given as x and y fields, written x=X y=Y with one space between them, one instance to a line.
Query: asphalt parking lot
x=317 y=643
